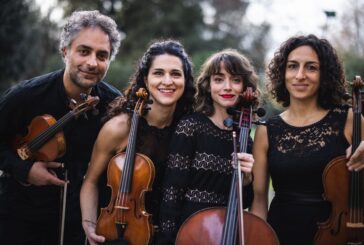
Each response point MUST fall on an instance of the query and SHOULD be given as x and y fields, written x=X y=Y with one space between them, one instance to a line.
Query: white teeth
x=166 y=90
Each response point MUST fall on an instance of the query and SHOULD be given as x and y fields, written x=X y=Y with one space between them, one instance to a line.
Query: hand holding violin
x=356 y=161
x=41 y=174
x=90 y=230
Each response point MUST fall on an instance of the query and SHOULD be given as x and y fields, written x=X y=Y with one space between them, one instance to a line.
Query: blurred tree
x=203 y=27
x=350 y=40
x=228 y=27
x=26 y=41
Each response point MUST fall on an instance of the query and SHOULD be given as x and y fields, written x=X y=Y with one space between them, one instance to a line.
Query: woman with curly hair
x=294 y=147
x=199 y=169
x=165 y=71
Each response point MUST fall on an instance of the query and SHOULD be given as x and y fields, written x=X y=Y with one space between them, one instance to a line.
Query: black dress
x=297 y=157
x=198 y=173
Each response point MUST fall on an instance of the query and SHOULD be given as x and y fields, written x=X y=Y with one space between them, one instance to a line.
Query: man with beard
x=89 y=42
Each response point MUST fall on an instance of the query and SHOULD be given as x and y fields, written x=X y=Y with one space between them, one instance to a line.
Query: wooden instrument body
x=336 y=176
x=52 y=149
x=206 y=227
x=139 y=229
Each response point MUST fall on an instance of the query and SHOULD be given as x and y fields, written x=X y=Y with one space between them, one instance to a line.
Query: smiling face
x=87 y=59
x=225 y=88
x=165 y=81
x=302 y=77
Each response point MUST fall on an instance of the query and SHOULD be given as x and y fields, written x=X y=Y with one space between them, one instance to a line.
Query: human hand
x=246 y=162
x=42 y=174
x=356 y=161
x=90 y=231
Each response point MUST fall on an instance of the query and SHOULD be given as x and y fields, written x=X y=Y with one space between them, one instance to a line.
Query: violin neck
x=42 y=138
x=356 y=177
x=128 y=168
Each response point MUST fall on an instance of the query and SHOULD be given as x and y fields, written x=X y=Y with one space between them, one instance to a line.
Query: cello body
x=206 y=227
x=140 y=230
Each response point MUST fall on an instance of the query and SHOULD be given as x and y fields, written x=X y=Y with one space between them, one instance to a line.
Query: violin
x=231 y=225
x=45 y=140
x=345 y=190
x=129 y=175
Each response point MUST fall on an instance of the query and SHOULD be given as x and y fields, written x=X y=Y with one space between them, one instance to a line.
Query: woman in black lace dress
x=199 y=168
x=165 y=71
x=307 y=78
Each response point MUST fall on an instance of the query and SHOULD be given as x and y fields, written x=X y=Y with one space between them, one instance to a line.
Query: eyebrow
x=308 y=62
x=82 y=46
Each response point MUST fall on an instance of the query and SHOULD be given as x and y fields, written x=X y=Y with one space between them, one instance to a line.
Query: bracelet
x=88 y=221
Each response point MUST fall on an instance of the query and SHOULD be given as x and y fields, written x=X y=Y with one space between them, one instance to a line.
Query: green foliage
x=26 y=41
x=29 y=40
x=354 y=65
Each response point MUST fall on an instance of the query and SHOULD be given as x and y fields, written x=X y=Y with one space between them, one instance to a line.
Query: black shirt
x=38 y=96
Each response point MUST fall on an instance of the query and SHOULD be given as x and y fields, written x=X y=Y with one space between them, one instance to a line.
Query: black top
x=199 y=172
x=297 y=157
x=154 y=142
x=38 y=96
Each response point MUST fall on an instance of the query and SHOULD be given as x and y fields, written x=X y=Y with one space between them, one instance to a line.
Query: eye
x=176 y=74
x=292 y=66
x=83 y=52
x=237 y=80
x=103 y=56
x=158 y=73
x=217 y=79
x=312 y=68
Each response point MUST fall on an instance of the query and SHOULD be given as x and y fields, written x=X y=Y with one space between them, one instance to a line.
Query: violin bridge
x=355 y=225
x=121 y=207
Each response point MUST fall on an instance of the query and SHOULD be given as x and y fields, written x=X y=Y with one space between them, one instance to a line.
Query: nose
x=167 y=79
x=300 y=74
x=227 y=84
x=92 y=60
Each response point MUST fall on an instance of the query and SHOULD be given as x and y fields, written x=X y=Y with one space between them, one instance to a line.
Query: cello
x=345 y=190
x=230 y=225
x=129 y=176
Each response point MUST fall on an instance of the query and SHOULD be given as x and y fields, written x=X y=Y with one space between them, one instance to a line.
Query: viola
x=129 y=176
x=231 y=225
x=45 y=140
x=345 y=190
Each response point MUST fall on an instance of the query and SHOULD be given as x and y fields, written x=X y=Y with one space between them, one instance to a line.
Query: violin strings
x=38 y=142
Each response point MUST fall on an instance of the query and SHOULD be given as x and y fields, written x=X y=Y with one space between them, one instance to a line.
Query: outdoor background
x=29 y=31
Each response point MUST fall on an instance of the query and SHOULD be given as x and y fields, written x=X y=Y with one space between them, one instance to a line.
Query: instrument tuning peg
x=72 y=104
x=228 y=122
x=260 y=112
x=230 y=110
x=83 y=96
x=260 y=122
